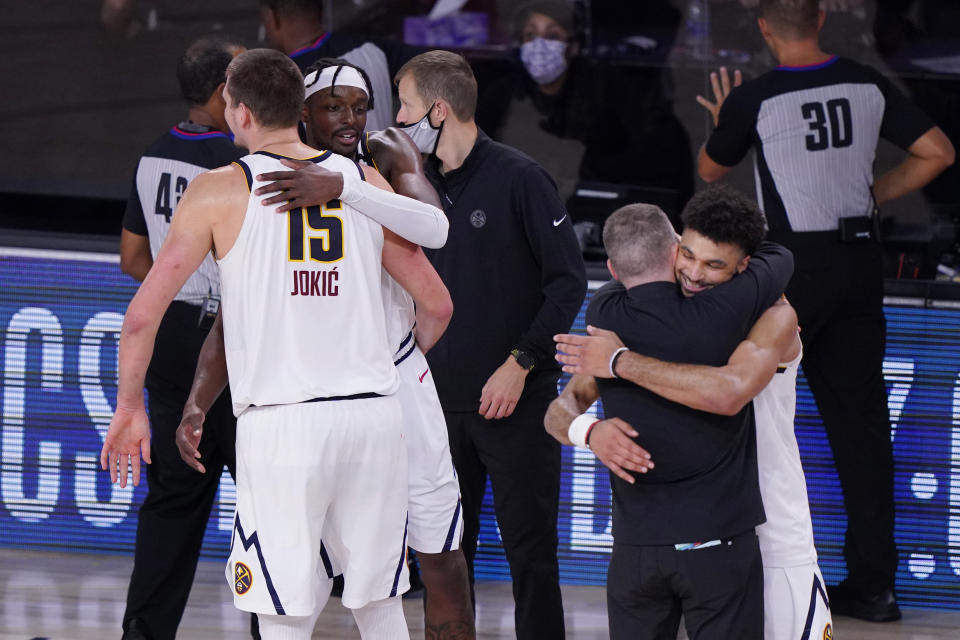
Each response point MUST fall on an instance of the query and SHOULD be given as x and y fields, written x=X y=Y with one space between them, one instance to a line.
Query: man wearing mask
x=511 y=247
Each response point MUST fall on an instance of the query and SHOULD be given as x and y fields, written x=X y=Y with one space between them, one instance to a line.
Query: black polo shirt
x=513 y=267
x=704 y=485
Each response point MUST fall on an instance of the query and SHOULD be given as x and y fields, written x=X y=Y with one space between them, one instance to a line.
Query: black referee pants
x=174 y=515
x=837 y=290
x=523 y=463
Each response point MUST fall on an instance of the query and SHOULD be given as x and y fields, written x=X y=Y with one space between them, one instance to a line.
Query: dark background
x=81 y=103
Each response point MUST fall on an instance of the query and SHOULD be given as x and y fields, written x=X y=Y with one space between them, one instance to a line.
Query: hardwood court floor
x=64 y=596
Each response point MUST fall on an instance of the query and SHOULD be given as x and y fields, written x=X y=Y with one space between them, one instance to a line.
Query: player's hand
x=611 y=441
x=721 y=89
x=589 y=355
x=500 y=394
x=188 y=436
x=308 y=185
x=128 y=437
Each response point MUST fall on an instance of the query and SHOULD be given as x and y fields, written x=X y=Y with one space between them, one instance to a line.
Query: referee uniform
x=174 y=515
x=815 y=131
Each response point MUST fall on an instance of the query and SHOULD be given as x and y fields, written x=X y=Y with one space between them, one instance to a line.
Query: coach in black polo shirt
x=516 y=276
x=683 y=532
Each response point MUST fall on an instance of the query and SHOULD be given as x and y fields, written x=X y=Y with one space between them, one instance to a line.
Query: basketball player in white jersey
x=335 y=116
x=319 y=446
x=762 y=368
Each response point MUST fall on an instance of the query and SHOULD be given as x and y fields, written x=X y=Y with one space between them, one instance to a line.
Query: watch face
x=524 y=359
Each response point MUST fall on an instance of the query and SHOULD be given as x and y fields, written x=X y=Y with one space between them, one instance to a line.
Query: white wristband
x=613 y=361
x=579 y=429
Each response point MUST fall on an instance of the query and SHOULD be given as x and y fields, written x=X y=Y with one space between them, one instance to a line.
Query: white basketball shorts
x=335 y=470
x=795 y=604
x=436 y=524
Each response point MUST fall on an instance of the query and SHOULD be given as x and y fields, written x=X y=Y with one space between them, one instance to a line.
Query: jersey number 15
x=314 y=234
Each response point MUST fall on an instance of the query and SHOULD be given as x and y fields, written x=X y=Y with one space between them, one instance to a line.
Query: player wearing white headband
x=337 y=100
x=340 y=75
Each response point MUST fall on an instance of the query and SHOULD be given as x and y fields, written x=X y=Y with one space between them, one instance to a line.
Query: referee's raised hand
x=721 y=89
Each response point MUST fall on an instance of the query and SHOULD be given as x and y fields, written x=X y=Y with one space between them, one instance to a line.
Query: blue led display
x=60 y=315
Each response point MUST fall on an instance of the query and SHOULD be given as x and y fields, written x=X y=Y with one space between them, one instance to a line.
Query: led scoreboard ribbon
x=60 y=314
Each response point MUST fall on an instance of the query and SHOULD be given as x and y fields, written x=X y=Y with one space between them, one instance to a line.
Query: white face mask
x=545 y=60
x=423 y=133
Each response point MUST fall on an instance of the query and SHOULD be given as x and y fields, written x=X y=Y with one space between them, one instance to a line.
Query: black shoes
x=134 y=630
x=845 y=601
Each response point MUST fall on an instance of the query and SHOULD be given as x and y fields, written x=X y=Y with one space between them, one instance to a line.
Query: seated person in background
x=584 y=119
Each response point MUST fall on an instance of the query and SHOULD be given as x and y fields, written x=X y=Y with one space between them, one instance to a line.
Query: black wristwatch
x=524 y=359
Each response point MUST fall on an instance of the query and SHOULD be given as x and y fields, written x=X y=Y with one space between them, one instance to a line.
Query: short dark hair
x=325 y=63
x=290 y=8
x=559 y=11
x=202 y=67
x=638 y=239
x=444 y=75
x=271 y=86
x=791 y=19
x=724 y=215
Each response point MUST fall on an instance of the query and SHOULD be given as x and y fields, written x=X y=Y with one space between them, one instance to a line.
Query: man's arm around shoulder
x=723 y=390
x=207 y=201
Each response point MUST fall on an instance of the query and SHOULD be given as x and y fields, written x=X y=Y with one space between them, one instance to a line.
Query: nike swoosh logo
x=556 y=223
x=424 y=375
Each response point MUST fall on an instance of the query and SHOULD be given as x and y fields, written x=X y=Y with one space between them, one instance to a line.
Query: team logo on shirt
x=828 y=632
x=242 y=578
x=478 y=218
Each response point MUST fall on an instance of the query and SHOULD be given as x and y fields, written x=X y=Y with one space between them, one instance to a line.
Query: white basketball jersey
x=398 y=305
x=786 y=538
x=401 y=313
x=303 y=314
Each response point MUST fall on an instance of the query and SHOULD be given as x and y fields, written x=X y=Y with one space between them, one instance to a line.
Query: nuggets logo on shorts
x=242 y=578
x=828 y=632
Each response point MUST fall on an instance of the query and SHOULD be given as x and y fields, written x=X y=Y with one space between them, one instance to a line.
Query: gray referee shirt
x=815 y=129
x=163 y=173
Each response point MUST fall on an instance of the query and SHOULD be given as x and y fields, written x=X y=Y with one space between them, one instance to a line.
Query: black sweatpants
x=718 y=590
x=523 y=463
x=837 y=290
x=173 y=517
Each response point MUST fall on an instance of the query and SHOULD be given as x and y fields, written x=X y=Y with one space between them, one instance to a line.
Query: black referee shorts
x=718 y=590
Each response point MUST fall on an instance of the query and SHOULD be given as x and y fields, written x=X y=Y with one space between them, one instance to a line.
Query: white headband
x=347 y=77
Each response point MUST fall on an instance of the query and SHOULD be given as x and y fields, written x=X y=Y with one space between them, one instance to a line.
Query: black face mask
x=423 y=133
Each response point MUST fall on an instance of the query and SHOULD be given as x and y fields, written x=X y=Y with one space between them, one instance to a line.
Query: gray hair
x=638 y=239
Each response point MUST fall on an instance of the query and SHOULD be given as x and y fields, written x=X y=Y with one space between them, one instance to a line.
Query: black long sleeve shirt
x=705 y=484
x=512 y=264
